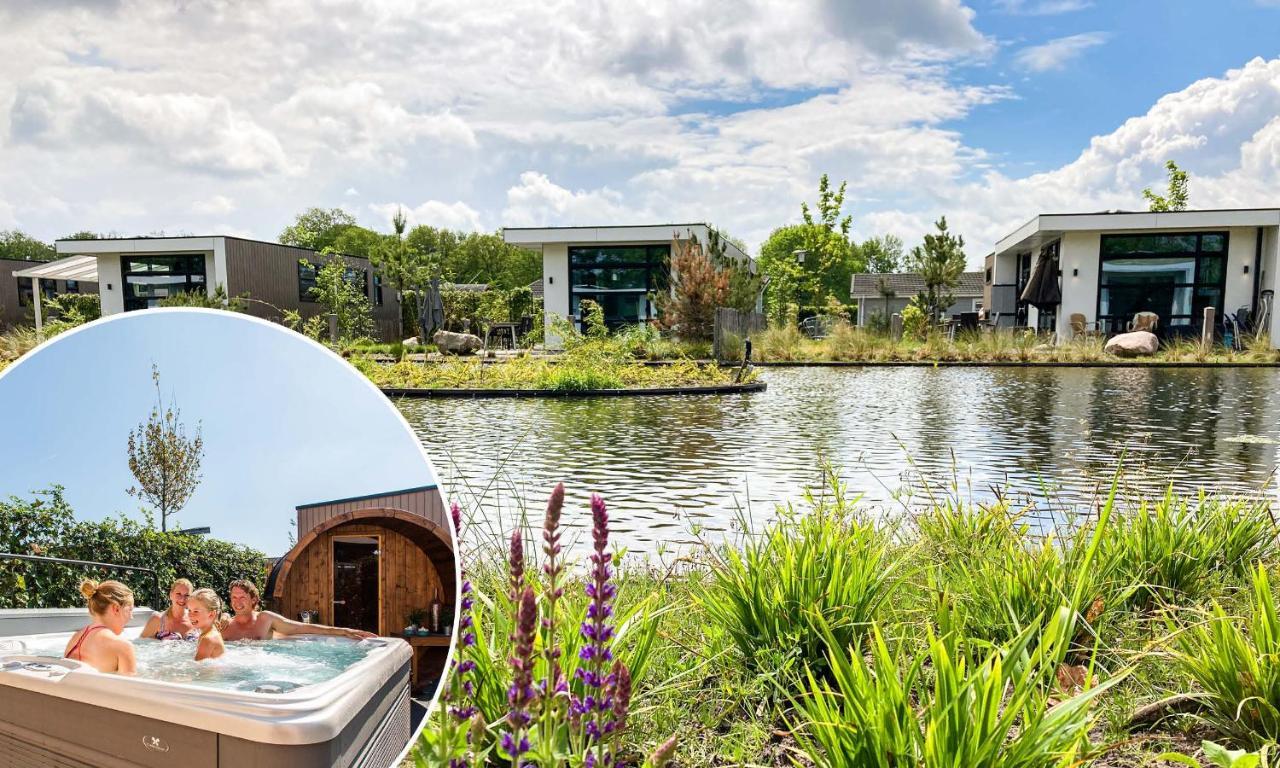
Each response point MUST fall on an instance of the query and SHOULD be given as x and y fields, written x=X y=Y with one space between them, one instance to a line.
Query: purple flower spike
x=520 y=694
x=517 y=564
x=554 y=682
x=596 y=654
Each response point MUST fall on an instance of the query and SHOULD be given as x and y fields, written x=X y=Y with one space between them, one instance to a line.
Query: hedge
x=45 y=525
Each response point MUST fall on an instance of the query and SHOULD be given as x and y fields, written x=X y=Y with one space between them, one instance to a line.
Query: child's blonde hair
x=101 y=595
x=182 y=583
x=210 y=600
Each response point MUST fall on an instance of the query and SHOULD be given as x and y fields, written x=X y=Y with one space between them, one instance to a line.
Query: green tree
x=940 y=261
x=882 y=255
x=339 y=291
x=744 y=285
x=164 y=461
x=23 y=247
x=83 y=234
x=405 y=269
x=1175 y=199
x=317 y=228
x=830 y=257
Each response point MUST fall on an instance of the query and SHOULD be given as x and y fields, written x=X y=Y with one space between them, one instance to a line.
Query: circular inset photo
x=216 y=538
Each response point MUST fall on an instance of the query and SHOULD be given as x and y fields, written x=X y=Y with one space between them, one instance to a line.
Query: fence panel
x=732 y=328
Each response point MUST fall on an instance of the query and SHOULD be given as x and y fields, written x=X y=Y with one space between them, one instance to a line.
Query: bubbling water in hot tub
x=263 y=666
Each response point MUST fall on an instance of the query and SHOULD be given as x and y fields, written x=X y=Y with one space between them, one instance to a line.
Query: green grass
x=1236 y=663
x=823 y=571
x=947 y=706
x=955 y=623
x=847 y=343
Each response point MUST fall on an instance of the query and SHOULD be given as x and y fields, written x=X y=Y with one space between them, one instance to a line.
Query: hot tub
x=59 y=712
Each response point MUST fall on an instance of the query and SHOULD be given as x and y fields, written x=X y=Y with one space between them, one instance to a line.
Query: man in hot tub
x=249 y=623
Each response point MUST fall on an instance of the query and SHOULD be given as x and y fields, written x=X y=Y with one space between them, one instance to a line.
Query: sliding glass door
x=150 y=279
x=1175 y=276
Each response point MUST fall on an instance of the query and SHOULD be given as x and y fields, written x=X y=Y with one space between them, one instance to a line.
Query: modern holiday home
x=617 y=267
x=139 y=272
x=1102 y=269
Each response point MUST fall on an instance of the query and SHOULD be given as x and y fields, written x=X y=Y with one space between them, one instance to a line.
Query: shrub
x=915 y=324
x=1237 y=669
x=808 y=578
x=45 y=525
x=219 y=300
x=992 y=710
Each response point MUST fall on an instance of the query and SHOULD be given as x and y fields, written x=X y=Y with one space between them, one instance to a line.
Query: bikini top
x=168 y=634
x=74 y=652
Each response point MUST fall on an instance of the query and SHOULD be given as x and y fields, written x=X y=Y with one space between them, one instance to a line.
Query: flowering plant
x=549 y=695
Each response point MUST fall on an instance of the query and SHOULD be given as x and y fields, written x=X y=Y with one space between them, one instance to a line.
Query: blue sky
x=284 y=421
x=130 y=116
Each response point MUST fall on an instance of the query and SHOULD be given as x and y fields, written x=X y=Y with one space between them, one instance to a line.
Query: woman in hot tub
x=203 y=608
x=100 y=645
x=173 y=624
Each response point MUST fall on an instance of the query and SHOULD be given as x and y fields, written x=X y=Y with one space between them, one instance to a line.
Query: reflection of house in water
x=369 y=563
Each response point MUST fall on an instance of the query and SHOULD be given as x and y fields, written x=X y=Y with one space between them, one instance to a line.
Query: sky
x=218 y=117
x=284 y=421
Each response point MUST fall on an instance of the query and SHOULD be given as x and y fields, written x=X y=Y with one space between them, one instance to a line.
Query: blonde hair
x=209 y=599
x=182 y=583
x=101 y=595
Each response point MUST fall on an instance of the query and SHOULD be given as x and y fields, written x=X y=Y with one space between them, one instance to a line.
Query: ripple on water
x=709 y=461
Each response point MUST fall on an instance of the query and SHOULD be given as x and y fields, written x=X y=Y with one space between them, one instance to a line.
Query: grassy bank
x=956 y=636
x=851 y=344
x=527 y=372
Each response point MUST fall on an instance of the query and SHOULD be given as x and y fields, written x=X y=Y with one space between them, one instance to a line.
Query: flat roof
x=1046 y=227
x=536 y=237
x=144 y=244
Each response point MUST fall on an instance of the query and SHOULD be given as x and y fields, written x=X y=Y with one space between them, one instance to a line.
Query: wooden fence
x=732 y=328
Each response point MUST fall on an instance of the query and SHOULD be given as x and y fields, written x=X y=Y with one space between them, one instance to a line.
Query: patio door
x=356 y=579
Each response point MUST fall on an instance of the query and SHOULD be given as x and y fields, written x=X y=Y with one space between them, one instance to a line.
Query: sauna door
x=355 y=582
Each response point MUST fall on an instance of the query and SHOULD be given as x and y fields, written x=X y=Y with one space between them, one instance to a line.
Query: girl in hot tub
x=203 y=608
x=111 y=608
x=173 y=624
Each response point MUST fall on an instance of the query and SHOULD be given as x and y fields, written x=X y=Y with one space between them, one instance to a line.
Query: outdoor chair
x=1082 y=328
x=1144 y=321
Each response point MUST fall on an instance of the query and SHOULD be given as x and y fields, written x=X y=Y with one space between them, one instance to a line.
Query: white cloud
x=457 y=215
x=1058 y=53
x=538 y=201
x=1042 y=7
x=137 y=118
x=214 y=206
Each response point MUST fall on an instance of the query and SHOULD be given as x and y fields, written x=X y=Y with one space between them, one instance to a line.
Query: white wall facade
x=1080 y=256
x=555 y=288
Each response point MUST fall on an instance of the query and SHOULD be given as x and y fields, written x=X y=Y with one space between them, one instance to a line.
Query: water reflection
x=666 y=463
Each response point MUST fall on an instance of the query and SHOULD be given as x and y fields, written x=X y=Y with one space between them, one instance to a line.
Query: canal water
x=679 y=469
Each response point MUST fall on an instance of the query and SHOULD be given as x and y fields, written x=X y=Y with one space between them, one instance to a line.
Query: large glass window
x=25 y=296
x=619 y=279
x=307 y=271
x=150 y=279
x=1175 y=276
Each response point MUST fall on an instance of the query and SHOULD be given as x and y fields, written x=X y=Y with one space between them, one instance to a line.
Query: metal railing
x=155 y=575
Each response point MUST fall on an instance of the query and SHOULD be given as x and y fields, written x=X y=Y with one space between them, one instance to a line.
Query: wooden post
x=333 y=328
x=895 y=326
x=1206 y=331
